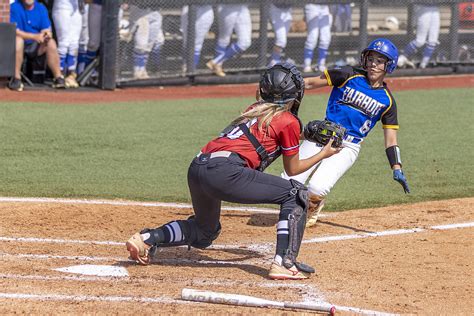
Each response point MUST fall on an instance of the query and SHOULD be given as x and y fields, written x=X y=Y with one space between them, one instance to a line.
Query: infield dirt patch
x=427 y=271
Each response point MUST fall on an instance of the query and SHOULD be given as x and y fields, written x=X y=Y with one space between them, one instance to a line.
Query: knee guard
x=197 y=237
x=296 y=226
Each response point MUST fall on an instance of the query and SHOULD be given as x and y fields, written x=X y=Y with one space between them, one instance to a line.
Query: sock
x=230 y=52
x=278 y=259
x=322 y=54
x=166 y=234
x=308 y=57
x=197 y=56
x=81 y=60
x=410 y=49
x=71 y=63
x=140 y=59
x=283 y=238
x=155 y=55
x=62 y=62
x=428 y=51
x=90 y=56
x=220 y=52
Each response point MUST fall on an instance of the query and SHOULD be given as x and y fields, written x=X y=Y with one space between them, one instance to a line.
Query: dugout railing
x=454 y=53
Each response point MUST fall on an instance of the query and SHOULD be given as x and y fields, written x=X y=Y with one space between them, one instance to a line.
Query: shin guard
x=296 y=226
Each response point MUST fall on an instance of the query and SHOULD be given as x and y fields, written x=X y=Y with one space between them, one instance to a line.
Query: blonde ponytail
x=264 y=112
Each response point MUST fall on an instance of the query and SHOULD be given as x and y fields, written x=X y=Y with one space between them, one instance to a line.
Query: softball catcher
x=358 y=100
x=230 y=168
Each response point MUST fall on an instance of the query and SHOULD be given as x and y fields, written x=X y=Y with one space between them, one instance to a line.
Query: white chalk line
x=127 y=279
x=131 y=203
x=90 y=298
x=362 y=311
x=249 y=209
x=125 y=260
x=262 y=247
x=314 y=240
x=387 y=233
x=162 y=300
x=63 y=278
x=313 y=296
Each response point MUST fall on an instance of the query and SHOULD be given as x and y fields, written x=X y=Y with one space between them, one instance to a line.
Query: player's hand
x=39 y=38
x=400 y=178
x=328 y=150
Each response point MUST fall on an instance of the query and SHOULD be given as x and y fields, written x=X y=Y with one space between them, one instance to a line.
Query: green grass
x=141 y=151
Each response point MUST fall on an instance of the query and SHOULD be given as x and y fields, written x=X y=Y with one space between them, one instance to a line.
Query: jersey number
x=236 y=132
x=365 y=128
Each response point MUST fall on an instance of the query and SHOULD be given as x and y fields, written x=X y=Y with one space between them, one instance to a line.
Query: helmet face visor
x=375 y=59
x=384 y=47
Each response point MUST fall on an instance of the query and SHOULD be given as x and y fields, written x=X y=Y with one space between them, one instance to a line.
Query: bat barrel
x=244 y=300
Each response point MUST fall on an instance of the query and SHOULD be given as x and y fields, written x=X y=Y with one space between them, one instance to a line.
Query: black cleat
x=15 y=84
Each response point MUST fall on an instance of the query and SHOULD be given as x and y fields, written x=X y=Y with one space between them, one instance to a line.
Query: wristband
x=393 y=155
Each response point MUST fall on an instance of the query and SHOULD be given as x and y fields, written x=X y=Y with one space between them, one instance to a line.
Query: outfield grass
x=141 y=151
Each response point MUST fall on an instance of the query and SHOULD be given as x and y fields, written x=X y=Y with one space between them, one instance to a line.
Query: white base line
x=131 y=203
x=162 y=300
x=387 y=233
x=253 y=246
x=123 y=259
x=204 y=282
x=361 y=311
x=83 y=298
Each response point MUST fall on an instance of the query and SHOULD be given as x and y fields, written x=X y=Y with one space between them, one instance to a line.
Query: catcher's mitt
x=321 y=132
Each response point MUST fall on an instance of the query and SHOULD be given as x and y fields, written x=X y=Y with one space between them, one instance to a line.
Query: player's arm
x=30 y=36
x=390 y=137
x=293 y=165
x=390 y=126
x=393 y=154
x=316 y=82
x=331 y=77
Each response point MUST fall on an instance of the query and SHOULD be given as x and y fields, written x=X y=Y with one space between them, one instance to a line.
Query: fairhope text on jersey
x=361 y=101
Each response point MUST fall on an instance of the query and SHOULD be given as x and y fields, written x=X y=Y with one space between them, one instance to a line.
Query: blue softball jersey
x=357 y=106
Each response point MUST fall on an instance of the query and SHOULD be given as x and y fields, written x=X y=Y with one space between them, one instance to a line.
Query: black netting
x=153 y=35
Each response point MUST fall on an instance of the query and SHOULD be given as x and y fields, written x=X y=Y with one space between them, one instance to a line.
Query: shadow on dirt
x=245 y=259
x=354 y=229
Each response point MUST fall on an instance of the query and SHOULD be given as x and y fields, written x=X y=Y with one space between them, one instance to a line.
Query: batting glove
x=400 y=178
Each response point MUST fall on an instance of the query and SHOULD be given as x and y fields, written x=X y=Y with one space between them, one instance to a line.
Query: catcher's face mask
x=281 y=84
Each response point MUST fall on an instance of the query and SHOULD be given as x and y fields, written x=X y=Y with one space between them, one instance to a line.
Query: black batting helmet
x=281 y=84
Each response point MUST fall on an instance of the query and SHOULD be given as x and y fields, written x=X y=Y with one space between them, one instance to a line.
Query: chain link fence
x=224 y=40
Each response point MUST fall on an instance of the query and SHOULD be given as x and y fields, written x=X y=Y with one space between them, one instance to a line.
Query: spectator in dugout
x=34 y=38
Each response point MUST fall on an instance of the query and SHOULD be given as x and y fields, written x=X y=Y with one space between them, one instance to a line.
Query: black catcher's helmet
x=281 y=84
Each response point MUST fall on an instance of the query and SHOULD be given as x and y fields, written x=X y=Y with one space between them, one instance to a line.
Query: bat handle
x=330 y=309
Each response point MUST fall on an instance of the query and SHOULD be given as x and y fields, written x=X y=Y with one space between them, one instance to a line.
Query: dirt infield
x=90 y=96
x=395 y=259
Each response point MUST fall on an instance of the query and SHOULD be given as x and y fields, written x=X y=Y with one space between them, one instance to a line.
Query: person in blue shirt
x=34 y=37
x=359 y=99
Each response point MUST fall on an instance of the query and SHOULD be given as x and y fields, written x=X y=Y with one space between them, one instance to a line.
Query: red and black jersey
x=283 y=134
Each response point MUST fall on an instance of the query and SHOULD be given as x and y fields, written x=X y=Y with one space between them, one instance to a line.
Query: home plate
x=97 y=270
